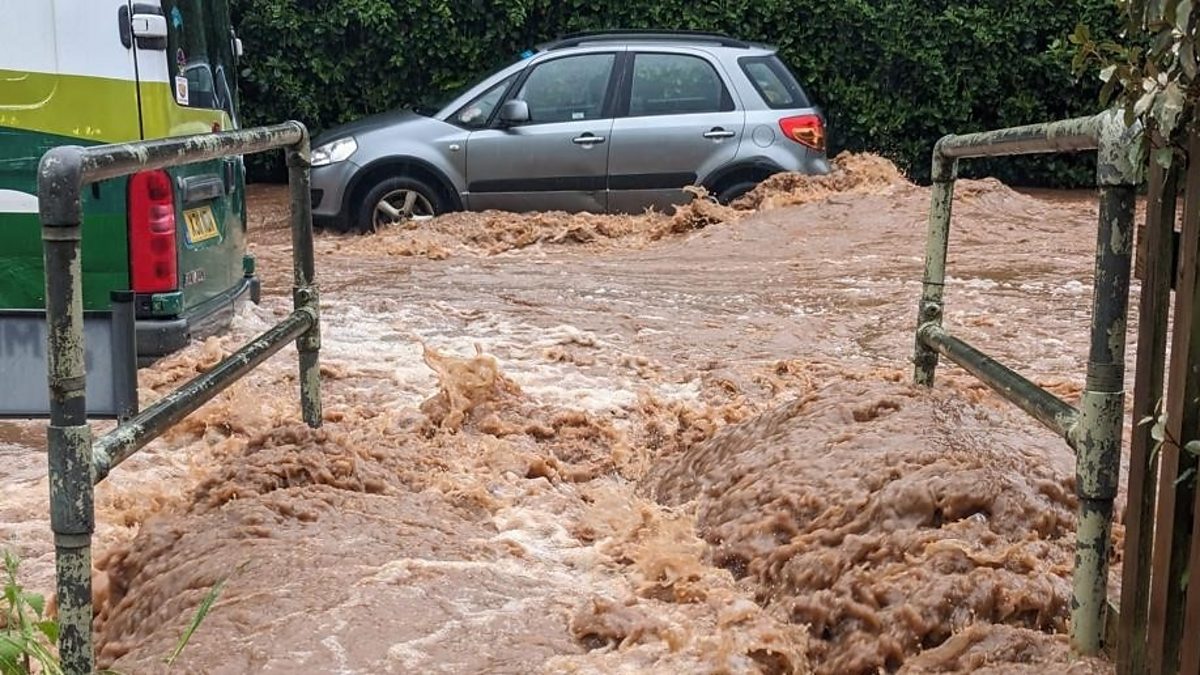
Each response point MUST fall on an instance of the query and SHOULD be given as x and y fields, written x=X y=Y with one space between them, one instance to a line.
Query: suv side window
x=568 y=89
x=676 y=84
x=475 y=115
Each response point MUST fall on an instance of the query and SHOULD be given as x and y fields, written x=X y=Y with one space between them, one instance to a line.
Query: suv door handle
x=587 y=139
x=718 y=132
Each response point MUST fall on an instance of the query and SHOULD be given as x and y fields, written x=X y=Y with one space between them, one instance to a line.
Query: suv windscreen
x=434 y=104
x=774 y=82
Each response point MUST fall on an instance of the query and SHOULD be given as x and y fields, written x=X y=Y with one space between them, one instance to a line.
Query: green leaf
x=1159 y=431
x=1168 y=107
x=49 y=628
x=1193 y=447
x=12 y=656
x=1183 y=12
x=1081 y=34
x=1163 y=157
x=35 y=602
x=1187 y=57
x=1185 y=476
x=197 y=619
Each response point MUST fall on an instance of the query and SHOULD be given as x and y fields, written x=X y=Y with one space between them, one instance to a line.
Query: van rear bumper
x=158 y=337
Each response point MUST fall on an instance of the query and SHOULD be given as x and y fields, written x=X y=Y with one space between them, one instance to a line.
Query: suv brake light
x=806 y=130
x=153 y=265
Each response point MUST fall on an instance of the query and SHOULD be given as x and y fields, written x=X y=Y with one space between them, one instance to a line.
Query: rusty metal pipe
x=121 y=159
x=305 y=294
x=1073 y=135
x=121 y=443
x=933 y=283
x=1054 y=413
x=1101 y=406
x=72 y=516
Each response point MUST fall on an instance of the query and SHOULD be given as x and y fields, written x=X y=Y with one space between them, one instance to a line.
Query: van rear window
x=774 y=82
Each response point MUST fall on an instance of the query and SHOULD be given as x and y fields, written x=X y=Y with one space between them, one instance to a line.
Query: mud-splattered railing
x=75 y=463
x=1094 y=429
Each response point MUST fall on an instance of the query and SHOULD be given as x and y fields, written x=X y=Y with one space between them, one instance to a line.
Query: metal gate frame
x=1093 y=429
x=76 y=464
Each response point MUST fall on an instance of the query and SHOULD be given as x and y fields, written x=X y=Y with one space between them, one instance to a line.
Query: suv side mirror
x=514 y=112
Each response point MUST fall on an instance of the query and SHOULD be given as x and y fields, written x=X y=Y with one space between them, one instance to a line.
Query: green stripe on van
x=105 y=251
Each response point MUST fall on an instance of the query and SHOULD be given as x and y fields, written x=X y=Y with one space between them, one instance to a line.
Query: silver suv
x=600 y=122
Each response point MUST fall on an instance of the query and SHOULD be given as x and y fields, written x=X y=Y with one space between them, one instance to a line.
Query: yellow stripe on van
x=97 y=109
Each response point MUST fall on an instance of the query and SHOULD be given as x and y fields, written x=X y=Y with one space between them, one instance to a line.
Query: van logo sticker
x=180 y=60
x=176 y=17
x=13 y=201
x=181 y=89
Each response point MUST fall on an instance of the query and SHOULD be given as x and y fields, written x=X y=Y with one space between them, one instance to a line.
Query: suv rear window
x=773 y=81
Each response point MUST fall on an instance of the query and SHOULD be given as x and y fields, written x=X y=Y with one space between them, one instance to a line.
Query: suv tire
x=407 y=197
x=730 y=193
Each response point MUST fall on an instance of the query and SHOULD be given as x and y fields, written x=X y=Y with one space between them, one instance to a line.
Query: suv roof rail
x=576 y=39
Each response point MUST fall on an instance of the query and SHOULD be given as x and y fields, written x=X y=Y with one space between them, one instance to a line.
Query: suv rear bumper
x=159 y=337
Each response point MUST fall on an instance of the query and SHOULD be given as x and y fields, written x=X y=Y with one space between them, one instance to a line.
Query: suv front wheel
x=398 y=200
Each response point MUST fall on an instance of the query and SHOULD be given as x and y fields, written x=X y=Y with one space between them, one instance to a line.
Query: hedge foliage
x=892 y=75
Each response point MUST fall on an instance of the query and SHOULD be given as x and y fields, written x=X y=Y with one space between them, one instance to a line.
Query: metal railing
x=1094 y=428
x=76 y=464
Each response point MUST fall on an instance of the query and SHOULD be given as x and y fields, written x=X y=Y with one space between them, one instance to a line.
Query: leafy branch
x=27 y=636
x=1152 y=73
x=1161 y=434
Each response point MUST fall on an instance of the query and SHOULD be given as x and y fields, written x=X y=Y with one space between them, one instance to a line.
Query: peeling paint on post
x=929 y=312
x=1098 y=436
x=305 y=295
x=69 y=442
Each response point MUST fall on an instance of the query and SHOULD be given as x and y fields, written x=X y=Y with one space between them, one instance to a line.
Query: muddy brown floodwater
x=678 y=443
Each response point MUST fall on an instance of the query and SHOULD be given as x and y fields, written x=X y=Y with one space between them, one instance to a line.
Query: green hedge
x=892 y=76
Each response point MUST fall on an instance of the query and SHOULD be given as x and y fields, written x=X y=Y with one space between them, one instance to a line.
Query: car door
x=677 y=120
x=558 y=160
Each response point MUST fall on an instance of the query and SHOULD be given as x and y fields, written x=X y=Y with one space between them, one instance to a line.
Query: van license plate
x=201 y=224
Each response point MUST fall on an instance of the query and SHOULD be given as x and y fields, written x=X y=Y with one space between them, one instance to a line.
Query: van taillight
x=806 y=130
x=153 y=265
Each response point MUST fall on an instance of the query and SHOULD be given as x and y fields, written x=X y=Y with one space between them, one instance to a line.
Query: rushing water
x=586 y=444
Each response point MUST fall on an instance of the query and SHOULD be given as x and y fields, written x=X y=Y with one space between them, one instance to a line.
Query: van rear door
x=186 y=86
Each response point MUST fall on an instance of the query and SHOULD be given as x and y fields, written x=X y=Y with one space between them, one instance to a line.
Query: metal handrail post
x=305 y=294
x=933 y=285
x=1101 y=405
x=68 y=436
